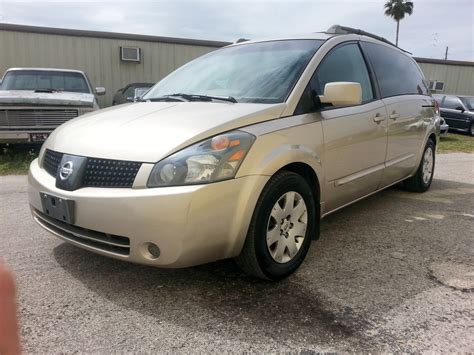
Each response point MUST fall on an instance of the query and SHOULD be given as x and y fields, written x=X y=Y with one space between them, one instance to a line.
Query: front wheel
x=471 y=130
x=421 y=181
x=282 y=225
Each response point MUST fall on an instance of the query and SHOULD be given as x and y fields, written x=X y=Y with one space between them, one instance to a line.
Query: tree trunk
x=398 y=29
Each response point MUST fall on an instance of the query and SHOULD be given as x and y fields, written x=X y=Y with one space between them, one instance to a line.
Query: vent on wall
x=436 y=85
x=130 y=54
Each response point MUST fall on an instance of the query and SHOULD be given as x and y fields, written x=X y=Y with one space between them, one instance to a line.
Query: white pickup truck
x=34 y=101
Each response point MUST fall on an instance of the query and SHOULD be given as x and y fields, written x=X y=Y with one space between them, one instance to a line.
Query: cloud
x=434 y=24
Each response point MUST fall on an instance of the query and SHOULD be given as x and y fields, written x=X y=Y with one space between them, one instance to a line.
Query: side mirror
x=100 y=90
x=130 y=99
x=342 y=94
x=459 y=108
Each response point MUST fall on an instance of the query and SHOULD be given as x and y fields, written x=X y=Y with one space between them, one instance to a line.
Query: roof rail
x=240 y=40
x=337 y=29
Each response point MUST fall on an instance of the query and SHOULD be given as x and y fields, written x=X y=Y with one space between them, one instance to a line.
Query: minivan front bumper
x=191 y=225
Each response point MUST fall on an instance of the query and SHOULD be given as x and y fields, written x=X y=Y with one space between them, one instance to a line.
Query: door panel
x=407 y=122
x=455 y=118
x=354 y=151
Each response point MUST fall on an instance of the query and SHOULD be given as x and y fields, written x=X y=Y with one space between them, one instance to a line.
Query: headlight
x=212 y=160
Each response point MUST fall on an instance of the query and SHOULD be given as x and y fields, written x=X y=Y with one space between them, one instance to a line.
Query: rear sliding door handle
x=378 y=118
x=394 y=116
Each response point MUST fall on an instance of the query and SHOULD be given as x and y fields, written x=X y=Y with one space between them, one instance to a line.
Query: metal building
x=448 y=76
x=150 y=58
x=98 y=54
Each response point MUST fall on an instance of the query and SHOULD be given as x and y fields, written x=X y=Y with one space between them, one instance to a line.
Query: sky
x=434 y=24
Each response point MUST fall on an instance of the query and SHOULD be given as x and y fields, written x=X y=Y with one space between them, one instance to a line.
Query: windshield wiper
x=167 y=98
x=49 y=90
x=192 y=97
x=208 y=97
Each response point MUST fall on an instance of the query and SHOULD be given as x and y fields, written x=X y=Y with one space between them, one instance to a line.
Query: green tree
x=397 y=10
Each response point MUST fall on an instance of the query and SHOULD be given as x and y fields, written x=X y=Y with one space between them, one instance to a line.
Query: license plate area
x=38 y=137
x=58 y=208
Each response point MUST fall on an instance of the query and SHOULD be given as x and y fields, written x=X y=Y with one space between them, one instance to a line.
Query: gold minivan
x=239 y=153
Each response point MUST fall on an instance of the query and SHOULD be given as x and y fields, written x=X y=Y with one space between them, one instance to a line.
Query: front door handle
x=378 y=118
x=394 y=116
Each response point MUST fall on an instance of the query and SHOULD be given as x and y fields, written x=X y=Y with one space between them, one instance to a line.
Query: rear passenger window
x=344 y=63
x=397 y=74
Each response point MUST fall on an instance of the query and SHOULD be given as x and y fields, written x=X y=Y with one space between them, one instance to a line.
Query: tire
x=471 y=130
x=421 y=181
x=275 y=261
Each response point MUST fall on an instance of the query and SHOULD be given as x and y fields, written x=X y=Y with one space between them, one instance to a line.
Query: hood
x=25 y=97
x=150 y=131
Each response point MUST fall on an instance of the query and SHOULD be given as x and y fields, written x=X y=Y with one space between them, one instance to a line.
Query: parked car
x=458 y=111
x=239 y=153
x=34 y=101
x=130 y=93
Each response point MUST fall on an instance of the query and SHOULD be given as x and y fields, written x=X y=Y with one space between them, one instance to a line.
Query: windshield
x=262 y=72
x=45 y=80
x=468 y=102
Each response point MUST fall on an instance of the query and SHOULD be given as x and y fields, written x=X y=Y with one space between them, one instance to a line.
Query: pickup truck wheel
x=281 y=228
x=421 y=181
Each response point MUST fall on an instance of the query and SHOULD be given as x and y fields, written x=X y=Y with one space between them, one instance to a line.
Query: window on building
x=439 y=86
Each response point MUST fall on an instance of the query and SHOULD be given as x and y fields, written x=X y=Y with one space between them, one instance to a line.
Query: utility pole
x=446 y=53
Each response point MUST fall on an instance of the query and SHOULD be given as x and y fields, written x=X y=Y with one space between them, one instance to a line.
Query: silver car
x=239 y=153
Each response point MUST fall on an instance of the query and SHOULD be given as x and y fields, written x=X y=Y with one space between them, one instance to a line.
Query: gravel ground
x=393 y=272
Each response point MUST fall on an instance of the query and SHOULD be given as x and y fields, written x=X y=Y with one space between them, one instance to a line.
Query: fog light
x=154 y=250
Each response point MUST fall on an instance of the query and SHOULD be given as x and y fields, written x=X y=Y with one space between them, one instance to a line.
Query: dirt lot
x=391 y=273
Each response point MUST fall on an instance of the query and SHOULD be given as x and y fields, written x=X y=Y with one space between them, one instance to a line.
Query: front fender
x=273 y=151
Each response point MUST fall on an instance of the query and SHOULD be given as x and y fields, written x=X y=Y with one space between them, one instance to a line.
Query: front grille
x=98 y=172
x=51 y=162
x=110 y=173
x=109 y=243
x=37 y=118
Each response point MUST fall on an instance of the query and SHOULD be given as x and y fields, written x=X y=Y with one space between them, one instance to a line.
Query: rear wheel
x=471 y=130
x=421 y=181
x=282 y=225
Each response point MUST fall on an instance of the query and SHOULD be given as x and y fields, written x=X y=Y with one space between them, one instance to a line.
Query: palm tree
x=397 y=10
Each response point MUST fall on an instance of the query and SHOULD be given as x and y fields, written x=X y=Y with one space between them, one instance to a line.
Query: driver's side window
x=343 y=63
x=452 y=103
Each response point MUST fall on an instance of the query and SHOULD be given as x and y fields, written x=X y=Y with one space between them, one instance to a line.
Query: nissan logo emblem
x=66 y=170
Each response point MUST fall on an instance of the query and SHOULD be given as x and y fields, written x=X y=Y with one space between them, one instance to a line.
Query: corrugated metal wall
x=98 y=57
x=458 y=80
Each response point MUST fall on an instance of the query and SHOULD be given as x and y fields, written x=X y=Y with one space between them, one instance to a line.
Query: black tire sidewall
x=270 y=267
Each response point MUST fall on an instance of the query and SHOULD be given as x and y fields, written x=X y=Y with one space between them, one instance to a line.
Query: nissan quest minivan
x=239 y=153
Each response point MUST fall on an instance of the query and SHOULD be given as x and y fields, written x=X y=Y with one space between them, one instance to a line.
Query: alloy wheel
x=286 y=228
x=427 y=165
